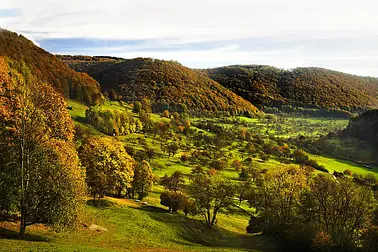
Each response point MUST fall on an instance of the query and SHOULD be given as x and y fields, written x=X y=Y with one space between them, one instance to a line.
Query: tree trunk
x=214 y=219
x=22 y=222
x=22 y=175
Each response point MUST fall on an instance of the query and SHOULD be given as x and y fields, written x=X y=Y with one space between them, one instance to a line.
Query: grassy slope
x=333 y=164
x=135 y=227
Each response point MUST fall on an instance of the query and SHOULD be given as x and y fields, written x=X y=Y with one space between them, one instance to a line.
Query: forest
x=300 y=87
x=48 y=68
x=187 y=165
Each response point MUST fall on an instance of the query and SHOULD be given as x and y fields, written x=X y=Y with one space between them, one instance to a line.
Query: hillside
x=358 y=142
x=168 y=84
x=364 y=127
x=305 y=87
x=48 y=68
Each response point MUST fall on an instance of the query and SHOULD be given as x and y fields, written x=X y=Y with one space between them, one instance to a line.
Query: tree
x=219 y=164
x=137 y=107
x=40 y=175
x=211 y=194
x=146 y=105
x=300 y=156
x=143 y=179
x=237 y=165
x=173 y=200
x=150 y=152
x=172 y=148
x=175 y=182
x=166 y=114
x=197 y=170
x=339 y=208
x=278 y=196
x=109 y=168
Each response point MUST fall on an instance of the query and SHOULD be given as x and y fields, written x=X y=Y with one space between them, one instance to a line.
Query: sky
x=336 y=34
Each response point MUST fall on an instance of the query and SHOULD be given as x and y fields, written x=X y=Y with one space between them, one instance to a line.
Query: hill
x=168 y=84
x=305 y=87
x=48 y=68
x=364 y=127
x=357 y=142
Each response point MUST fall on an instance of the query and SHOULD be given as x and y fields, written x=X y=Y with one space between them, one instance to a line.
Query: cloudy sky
x=335 y=34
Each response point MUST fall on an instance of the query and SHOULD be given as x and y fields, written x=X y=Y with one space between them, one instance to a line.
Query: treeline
x=304 y=87
x=48 y=68
x=169 y=84
x=363 y=127
x=316 y=213
x=112 y=122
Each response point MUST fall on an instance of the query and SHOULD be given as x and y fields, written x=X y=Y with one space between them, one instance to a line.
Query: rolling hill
x=167 y=83
x=304 y=87
x=364 y=127
x=358 y=142
x=48 y=68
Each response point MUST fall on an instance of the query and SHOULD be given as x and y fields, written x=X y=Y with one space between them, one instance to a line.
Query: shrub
x=184 y=157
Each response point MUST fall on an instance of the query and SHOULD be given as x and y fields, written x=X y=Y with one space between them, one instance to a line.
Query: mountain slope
x=364 y=127
x=307 y=87
x=168 y=84
x=48 y=68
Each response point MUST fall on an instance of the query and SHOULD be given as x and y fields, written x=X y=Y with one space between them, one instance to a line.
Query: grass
x=133 y=227
x=333 y=164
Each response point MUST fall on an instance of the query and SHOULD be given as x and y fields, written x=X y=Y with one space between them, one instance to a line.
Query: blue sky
x=335 y=34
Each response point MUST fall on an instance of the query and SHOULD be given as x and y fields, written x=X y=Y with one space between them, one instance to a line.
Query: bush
x=218 y=164
x=348 y=172
x=184 y=157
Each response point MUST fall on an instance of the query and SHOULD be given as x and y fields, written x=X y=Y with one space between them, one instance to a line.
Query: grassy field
x=133 y=227
x=333 y=164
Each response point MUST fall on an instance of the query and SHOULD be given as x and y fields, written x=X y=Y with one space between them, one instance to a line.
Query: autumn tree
x=143 y=179
x=137 y=107
x=339 y=208
x=173 y=200
x=172 y=148
x=108 y=166
x=166 y=114
x=211 y=195
x=175 y=182
x=278 y=196
x=146 y=105
x=40 y=175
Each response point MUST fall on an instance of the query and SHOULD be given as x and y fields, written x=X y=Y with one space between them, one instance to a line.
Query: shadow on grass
x=11 y=234
x=80 y=119
x=194 y=232
x=102 y=203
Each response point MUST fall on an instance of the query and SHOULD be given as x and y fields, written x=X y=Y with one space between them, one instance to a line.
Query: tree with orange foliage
x=39 y=168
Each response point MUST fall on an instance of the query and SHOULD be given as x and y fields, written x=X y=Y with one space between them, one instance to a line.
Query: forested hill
x=364 y=127
x=306 y=87
x=167 y=83
x=48 y=68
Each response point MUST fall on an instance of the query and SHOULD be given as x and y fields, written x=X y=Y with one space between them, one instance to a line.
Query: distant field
x=288 y=126
x=333 y=164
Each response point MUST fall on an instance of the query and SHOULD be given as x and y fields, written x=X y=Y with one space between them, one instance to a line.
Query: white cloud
x=172 y=22
x=192 y=20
